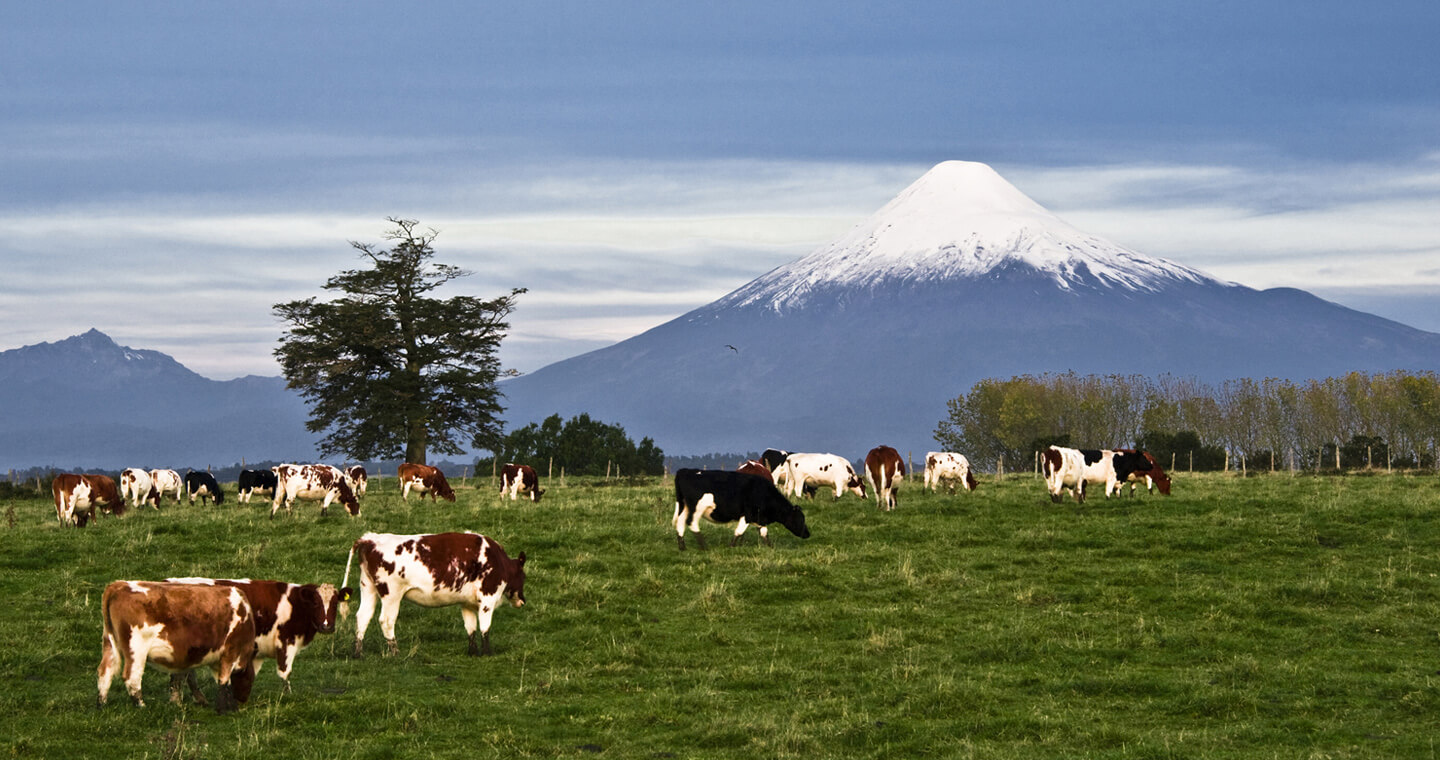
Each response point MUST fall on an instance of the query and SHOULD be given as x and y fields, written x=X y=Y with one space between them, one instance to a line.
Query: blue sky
x=171 y=170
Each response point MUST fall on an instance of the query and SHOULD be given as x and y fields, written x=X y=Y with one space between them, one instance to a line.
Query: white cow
x=1064 y=469
x=137 y=486
x=166 y=481
x=949 y=467
x=821 y=470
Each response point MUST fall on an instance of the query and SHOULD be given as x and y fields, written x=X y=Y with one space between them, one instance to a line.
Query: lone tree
x=387 y=368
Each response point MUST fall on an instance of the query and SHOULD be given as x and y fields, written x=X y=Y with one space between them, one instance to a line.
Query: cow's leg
x=487 y=612
x=134 y=667
x=765 y=535
x=284 y=660
x=109 y=663
x=468 y=615
x=696 y=513
x=389 y=611
x=739 y=531
x=364 y=613
x=275 y=505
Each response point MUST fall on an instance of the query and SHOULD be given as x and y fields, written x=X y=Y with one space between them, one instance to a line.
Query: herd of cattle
x=229 y=626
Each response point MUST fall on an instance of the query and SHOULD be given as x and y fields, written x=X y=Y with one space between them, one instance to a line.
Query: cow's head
x=347 y=497
x=536 y=492
x=242 y=679
x=515 y=584
x=327 y=605
x=970 y=482
x=857 y=486
x=439 y=486
x=795 y=523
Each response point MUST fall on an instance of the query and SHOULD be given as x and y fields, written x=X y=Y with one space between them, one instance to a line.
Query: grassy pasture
x=1274 y=616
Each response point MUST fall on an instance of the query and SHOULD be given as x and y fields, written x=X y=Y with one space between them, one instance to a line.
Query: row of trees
x=1389 y=419
x=581 y=446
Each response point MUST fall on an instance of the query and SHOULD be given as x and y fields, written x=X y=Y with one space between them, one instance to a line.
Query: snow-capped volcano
x=961 y=277
x=961 y=220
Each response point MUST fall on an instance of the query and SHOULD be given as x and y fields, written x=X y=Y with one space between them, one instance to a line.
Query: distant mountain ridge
x=87 y=401
x=959 y=278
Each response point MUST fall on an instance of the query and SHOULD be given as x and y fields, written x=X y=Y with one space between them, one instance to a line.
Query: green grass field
x=1276 y=616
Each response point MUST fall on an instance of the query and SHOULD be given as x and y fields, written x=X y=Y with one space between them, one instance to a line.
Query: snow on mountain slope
x=961 y=220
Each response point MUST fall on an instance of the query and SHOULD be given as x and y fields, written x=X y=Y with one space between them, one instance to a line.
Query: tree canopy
x=387 y=368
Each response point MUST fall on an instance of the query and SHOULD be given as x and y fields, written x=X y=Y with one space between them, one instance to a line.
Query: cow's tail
x=345 y=585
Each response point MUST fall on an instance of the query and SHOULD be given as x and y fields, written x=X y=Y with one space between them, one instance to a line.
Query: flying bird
x=732 y=348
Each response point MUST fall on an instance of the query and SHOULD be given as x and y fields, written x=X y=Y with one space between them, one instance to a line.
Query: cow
x=251 y=481
x=203 y=484
x=359 y=479
x=1064 y=469
x=756 y=467
x=314 y=482
x=775 y=460
x=822 y=469
x=434 y=570
x=77 y=496
x=288 y=616
x=1112 y=467
x=884 y=467
x=950 y=468
x=1153 y=478
x=176 y=627
x=167 y=481
x=724 y=497
x=424 y=479
x=518 y=479
x=137 y=486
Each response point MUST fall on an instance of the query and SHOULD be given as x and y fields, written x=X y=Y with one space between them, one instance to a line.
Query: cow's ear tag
x=345 y=594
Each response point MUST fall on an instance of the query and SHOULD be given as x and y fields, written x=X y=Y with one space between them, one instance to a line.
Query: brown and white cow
x=137 y=486
x=359 y=479
x=424 y=479
x=948 y=467
x=314 y=482
x=520 y=478
x=885 y=469
x=434 y=570
x=167 y=481
x=756 y=467
x=177 y=627
x=77 y=496
x=821 y=470
x=288 y=616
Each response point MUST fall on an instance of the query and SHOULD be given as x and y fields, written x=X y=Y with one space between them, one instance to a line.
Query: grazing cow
x=1153 y=478
x=424 y=479
x=251 y=481
x=725 y=497
x=313 y=482
x=77 y=496
x=359 y=479
x=822 y=469
x=287 y=616
x=884 y=467
x=775 y=460
x=203 y=484
x=518 y=479
x=176 y=627
x=1064 y=468
x=137 y=486
x=949 y=467
x=1112 y=467
x=167 y=481
x=436 y=570
x=756 y=467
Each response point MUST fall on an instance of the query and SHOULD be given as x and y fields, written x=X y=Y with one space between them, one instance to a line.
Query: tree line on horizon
x=1356 y=420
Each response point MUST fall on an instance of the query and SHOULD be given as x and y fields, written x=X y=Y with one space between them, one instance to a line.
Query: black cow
x=721 y=496
x=255 y=480
x=203 y=484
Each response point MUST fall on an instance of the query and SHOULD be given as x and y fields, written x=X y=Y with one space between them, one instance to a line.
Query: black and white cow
x=251 y=481
x=1112 y=467
x=202 y=484
x=724 y=497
